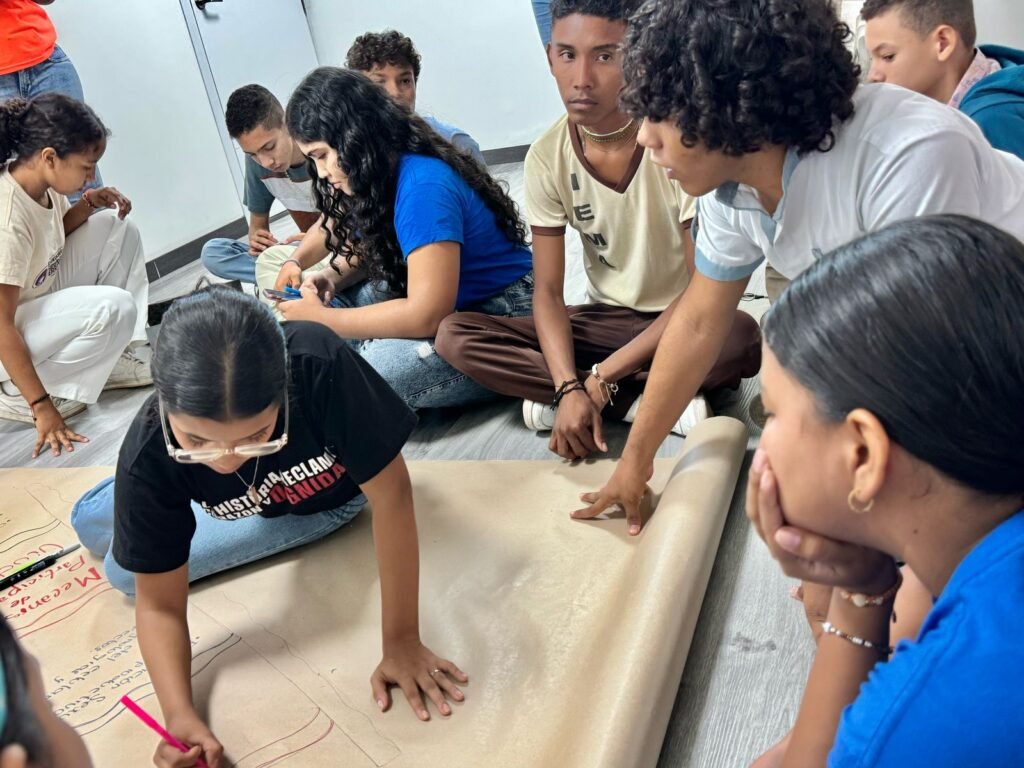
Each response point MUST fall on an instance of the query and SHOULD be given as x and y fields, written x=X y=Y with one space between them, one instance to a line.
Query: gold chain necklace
x=628 y=130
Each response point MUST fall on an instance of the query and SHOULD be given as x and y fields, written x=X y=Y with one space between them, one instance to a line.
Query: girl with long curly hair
x=417 y=230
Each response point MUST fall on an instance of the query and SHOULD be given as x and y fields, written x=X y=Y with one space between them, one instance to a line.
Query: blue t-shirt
x=955 y=698
x=434 y=204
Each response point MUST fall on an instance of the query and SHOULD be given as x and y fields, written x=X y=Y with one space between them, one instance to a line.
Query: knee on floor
x=119 y=578
x=215 y=251
x=444 y=340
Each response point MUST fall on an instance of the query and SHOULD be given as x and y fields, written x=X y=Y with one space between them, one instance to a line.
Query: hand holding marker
x=160 y=731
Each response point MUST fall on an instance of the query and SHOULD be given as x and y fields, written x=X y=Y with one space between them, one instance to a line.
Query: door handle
x=201 y=4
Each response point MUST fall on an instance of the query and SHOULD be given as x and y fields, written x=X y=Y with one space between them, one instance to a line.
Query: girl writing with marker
x=280 y=432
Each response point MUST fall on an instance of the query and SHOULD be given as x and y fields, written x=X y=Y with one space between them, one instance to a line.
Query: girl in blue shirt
x=417 y=230
x=895 y=435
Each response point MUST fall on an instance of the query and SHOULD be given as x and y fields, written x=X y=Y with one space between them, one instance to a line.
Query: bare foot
x=775 y=755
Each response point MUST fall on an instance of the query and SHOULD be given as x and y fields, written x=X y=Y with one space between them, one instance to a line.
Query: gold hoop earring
x=852 y=502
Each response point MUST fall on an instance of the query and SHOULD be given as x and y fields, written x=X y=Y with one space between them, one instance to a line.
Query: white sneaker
x=538 y=417
x=14 y=408
x=696 y=412
x=131 y=370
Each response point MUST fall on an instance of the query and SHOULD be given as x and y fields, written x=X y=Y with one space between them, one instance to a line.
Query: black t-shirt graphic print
x=346 y=425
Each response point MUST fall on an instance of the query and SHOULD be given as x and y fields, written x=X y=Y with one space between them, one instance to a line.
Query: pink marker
x=147 y=719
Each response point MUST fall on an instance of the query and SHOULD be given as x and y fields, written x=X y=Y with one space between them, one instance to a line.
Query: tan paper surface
x=574 y=635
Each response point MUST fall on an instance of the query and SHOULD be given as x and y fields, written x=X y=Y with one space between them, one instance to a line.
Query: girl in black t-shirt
x=280 y=431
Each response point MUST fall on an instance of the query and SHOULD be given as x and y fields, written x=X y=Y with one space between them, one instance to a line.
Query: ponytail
x=12 y=118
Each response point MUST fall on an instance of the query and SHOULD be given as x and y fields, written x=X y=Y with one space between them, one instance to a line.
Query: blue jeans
x=217 y=545
x=229 y=259
x=56 y=74
x=542 y=13
x=413 y=368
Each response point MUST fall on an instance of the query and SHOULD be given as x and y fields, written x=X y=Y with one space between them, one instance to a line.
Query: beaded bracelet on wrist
x=830 y=629
x=863 y=601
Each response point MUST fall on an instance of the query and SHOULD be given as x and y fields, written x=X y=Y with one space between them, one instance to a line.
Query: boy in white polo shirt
x=791 y=159
x=588 y=172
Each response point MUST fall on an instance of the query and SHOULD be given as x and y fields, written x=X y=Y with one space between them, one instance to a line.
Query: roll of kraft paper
x=574 y=634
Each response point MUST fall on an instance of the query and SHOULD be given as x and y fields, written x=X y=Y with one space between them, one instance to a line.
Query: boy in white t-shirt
x=761 y=115
x=588 y=172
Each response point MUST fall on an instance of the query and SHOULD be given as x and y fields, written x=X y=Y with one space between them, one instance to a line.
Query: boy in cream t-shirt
x=588 y=172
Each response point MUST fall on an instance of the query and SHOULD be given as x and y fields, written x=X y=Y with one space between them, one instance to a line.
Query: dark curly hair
x=251 y=106
x=370 y=131
x=378 y=49
x=48 y=120
x=613 y=10
x=736 y=75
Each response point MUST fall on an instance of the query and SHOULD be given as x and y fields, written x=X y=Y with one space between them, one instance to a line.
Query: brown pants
x=503 y=353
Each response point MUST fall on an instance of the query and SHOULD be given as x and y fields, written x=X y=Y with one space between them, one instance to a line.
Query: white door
x=238 y=42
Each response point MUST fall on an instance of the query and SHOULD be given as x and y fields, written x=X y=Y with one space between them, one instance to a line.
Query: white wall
x=1000 y=21
x=483 y=65
x=139 y=73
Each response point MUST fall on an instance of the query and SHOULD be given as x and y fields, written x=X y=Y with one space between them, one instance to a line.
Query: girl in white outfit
x=73 y=287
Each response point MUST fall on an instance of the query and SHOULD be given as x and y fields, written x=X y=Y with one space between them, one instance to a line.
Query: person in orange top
x=31 y=62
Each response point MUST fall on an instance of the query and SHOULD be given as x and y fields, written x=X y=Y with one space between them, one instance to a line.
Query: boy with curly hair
x=391 y=60
x=755 y=107
x=589 y=173
x=928 y=47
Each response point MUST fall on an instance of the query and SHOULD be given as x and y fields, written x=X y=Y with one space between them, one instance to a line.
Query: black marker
x=33 y=568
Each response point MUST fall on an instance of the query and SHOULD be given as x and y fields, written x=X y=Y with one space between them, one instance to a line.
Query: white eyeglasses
x=249 y=451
